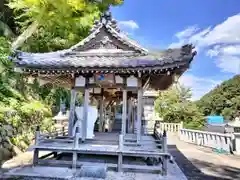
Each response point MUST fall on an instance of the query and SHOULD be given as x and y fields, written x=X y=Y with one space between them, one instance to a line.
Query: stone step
x=92 y=171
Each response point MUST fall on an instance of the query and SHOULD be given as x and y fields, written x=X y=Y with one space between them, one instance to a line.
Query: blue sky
x=213 y=26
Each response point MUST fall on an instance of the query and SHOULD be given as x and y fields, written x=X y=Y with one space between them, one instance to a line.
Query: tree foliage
x=20 y=113
x=40 y=26
x=8 y=26
x=174 y=105
x=49 y=25
x=55 y=24
x=223 y=100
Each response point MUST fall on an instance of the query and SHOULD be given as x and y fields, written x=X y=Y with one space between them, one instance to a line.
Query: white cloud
x=226 y=32
x=177 y=44
x=221 y=42
x=198 y=38
x=129 y=24
x=215 y=51
x=199 y=86
x=231 y=50
x=187 y=32
x=229 y=63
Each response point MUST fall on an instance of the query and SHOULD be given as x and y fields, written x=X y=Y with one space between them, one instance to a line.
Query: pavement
x=202 y=163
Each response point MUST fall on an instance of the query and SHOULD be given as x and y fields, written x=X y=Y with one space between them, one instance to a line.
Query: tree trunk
x=25 y=35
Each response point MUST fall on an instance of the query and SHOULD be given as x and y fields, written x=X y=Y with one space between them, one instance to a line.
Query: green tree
x=223 y=100
x=48 y=25
x=41 y=26
x=174 y=105
x=19 y=115
x=64 y=21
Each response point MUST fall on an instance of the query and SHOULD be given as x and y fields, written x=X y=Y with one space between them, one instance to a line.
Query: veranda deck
x=110 y=144
x=102 y=144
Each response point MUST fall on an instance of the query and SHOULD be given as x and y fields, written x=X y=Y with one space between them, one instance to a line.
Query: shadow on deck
x=196 y=163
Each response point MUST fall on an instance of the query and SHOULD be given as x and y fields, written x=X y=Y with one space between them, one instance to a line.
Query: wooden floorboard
x=103 y=143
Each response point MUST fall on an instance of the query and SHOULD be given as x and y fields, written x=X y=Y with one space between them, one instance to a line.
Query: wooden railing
x=58 y=132
x=162 y=136
x=217 y=141
x=160 y=154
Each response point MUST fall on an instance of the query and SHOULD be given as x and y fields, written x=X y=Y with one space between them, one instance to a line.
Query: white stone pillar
x=237 y=143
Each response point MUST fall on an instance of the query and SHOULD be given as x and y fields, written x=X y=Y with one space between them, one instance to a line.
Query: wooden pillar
x=124 y=106
x=72 y=112
x=120 y=155
x=165 y=150
x=139 y=110
x=36 y=151
x=101 y=117
x=35 y=157
x=113 y=109
x=135 y=118
x=74 y=160
x=129 y=115
x=85 y=109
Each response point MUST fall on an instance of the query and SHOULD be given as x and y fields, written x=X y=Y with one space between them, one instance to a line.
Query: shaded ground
x=201 y=163
x=18 y=161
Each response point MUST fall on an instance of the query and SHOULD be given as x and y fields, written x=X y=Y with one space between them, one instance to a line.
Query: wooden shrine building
x=110 y=67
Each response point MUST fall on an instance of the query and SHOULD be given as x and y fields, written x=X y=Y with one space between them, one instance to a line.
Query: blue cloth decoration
x=101 y=77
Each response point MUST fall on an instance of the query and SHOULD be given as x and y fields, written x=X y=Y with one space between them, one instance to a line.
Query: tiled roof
x=119 y=36
x=105 y=47
x=112 y=26
x=102 y=59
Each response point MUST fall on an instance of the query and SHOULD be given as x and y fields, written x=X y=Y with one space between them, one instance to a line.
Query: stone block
x=92 y=171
